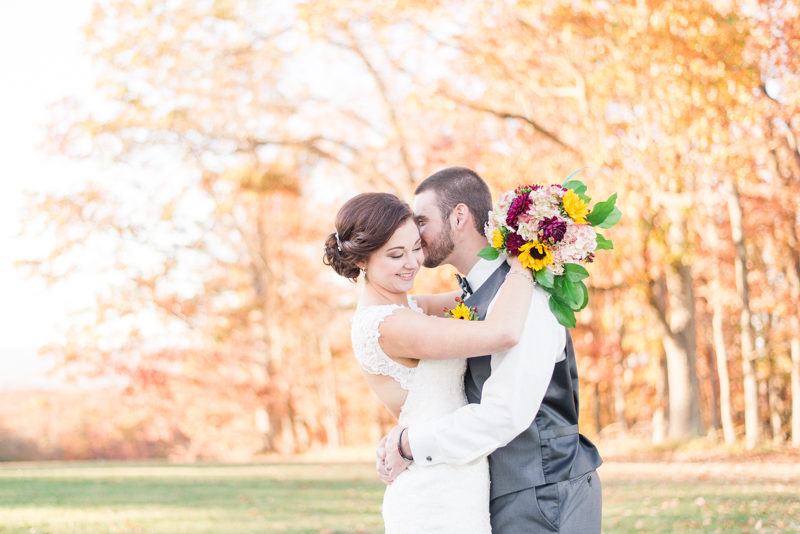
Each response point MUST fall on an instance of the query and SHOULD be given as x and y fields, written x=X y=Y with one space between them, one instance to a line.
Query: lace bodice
x=364 y=335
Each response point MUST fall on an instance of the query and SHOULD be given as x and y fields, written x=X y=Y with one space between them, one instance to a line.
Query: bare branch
x=398 y=130
x=504 y=115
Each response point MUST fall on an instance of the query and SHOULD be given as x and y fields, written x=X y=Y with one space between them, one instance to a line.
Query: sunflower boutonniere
x=462 y=311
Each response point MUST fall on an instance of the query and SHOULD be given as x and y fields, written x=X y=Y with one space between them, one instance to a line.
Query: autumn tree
x=276 y=112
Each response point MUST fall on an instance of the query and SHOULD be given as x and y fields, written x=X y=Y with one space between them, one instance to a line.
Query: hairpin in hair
x=338 y=243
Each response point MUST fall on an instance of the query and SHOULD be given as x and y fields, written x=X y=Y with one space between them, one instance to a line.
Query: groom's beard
x=439 y=250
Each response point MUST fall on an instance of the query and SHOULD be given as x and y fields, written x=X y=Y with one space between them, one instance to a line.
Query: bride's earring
x=363 y=271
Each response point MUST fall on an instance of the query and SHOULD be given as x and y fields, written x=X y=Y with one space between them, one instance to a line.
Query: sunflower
x=497 y=239
x=460 y=312
x=575 y=207
x=535 y=255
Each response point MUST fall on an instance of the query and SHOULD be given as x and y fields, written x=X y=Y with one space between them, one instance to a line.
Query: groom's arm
x=510 y=399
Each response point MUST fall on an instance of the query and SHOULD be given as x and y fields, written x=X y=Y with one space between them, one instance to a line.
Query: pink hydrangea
x=544 y=203
x=579 y=241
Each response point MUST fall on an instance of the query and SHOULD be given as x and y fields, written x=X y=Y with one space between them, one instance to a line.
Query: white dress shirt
x=511 y=396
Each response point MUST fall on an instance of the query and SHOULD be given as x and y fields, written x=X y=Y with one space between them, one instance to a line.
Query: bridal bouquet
x=552 y=231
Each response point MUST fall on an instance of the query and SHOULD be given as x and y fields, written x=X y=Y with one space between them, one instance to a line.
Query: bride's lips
x=407 y=276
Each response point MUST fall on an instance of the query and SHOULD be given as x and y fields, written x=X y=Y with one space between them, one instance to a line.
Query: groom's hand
x=395 y=464
x=380 y=464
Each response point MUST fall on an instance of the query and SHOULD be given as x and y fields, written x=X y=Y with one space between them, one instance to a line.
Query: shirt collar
x=482 y=271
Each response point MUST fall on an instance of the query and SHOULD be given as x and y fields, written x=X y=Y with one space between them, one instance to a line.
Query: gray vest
x=551 y=449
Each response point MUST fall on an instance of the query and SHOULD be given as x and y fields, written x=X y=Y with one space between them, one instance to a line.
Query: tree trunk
x=285 y=442
x=596 y=406
x=724 y=379
x=794 y=272
x=748 y=353
x=679 y=333
x=680 y=346
x=674 y=305
x=796 y=385
x=718 y=339
x=618 y=391
x=713 y=378
x=619 y=406
x=660 y=416
x=774 y=385
x=775 y=404
x=790 y=182
x=326 y=387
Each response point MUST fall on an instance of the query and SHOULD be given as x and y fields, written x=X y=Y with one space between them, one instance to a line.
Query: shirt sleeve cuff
x=424 y=448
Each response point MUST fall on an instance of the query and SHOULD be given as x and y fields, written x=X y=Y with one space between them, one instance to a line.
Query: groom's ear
x=461 y=217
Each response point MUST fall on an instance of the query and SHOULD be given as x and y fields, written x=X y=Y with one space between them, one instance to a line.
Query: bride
x=413 y=357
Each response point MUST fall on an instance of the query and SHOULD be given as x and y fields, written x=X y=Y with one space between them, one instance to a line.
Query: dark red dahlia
x=553 y=229
x=513 y=242
x=518 y=206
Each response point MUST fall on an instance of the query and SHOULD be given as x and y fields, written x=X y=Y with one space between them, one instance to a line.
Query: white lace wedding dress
x=442 y=498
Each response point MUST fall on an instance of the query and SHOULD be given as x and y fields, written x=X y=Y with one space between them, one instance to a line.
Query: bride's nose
x=411 y=261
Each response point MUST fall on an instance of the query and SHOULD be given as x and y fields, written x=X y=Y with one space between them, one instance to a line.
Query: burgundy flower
x=518 y=206
x=513 y=242
x=553 y=229
x=590 y=258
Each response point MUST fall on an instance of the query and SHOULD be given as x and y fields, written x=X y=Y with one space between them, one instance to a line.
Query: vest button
x=429 y=459
x=589 y=479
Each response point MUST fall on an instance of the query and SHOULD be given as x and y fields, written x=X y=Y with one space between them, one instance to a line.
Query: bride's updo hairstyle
x=364 y=224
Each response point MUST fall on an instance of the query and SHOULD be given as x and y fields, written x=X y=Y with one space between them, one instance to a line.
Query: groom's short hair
x=459 y=185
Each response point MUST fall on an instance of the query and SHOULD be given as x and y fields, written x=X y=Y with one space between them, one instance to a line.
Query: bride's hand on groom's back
x=395 y=463
x=380 y=464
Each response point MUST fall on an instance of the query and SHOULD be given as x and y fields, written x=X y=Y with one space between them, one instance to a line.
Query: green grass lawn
x=346 y=498
x=704 y=507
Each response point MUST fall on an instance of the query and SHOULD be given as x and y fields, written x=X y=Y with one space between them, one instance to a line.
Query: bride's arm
x=435 y=304
x=408 y=334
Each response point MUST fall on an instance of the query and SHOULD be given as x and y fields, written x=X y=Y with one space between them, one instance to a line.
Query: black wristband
x=400 y=447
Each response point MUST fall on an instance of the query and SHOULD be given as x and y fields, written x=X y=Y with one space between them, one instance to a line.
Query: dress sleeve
x=364 y=334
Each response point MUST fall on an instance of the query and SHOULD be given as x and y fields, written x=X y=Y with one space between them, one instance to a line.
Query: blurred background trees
x=212 y=303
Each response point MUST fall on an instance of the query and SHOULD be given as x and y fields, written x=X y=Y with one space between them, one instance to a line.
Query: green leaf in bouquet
x=576 y=186
x=544 y=277
x=585 y=198
x=602 y=210
x=565 y=182
x=574 y=272
x=489 y=253
x=585 y=295
x=565 y=316
x=612 y=219
x=550 y=290
x=558 y=285
x=603 y=243
x=573 y=294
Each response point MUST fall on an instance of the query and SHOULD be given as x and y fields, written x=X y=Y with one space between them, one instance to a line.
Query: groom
x=523 y=409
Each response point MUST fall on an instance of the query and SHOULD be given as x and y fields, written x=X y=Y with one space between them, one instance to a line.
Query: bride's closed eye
x=400 y=256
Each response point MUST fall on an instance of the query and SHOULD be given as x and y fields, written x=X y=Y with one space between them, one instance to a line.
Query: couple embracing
x=488 y=436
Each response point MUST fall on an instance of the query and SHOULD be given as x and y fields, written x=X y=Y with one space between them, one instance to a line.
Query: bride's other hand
x=380 y=464
x=395 y=464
